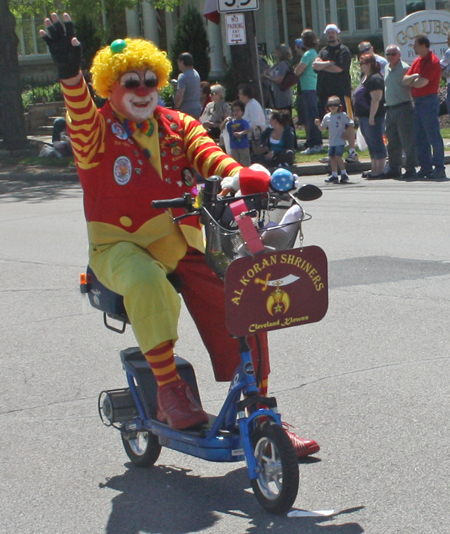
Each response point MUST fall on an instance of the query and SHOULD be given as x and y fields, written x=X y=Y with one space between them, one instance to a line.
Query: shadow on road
x=38 y=191
x=167 y=499
x=380 y=269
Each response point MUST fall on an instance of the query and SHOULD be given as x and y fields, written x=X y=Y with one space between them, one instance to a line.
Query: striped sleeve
x=207 y=158
x=84 y=124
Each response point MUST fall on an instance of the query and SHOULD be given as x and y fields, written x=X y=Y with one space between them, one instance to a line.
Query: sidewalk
x=313 y=168
x=11 y=171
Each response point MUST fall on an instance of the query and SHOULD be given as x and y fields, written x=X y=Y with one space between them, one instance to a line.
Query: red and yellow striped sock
x=263 y=386
x=162 y=362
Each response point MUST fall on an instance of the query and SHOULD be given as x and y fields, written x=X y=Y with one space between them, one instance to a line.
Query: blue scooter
x=248 y=427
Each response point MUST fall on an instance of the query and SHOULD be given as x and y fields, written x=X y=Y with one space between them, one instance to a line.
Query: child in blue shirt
x=238 y=130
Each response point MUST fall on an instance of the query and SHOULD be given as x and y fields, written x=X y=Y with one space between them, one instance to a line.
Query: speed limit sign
x=227 y=6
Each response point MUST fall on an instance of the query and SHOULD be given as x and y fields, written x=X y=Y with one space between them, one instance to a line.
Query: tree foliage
x=191 y=36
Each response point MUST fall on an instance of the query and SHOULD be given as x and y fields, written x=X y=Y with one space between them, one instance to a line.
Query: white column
x=285 y=23
x=271 y=26
x=150 y=22
x=400 y=10
x=388 y=31
x=373 y=14
x=133 y=25
x=216 y=49
x=351 y=17
x=170 y=27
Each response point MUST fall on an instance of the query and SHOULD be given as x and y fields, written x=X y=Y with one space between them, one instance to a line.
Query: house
x=276 y=21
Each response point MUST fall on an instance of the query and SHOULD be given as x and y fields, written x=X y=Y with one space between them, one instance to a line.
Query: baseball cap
x=331 y=27
x=299 y=43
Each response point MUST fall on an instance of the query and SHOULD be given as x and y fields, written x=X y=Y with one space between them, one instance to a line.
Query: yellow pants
x=149 y=298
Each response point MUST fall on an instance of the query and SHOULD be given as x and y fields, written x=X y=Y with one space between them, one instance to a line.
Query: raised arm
x=64 y=48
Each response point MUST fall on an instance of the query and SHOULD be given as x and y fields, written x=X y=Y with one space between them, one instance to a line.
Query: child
x=238 y=130
x=336 y=121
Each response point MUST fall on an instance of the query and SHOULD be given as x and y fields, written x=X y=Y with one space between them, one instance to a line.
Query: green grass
x=314 y=158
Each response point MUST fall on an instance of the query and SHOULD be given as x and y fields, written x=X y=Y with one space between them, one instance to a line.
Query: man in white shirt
x=254 y=113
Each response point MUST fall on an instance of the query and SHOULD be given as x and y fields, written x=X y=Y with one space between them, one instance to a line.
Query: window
x=386 y=8
x=362 y=14
x=443 y=4
x=27 y=30
x=342 y=15
x=412 y=6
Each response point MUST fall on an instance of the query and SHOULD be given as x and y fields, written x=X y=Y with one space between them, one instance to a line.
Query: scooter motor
x=116 y=406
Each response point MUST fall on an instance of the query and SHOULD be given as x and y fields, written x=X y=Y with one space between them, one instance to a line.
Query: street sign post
x=236 y=29
x=229 y=6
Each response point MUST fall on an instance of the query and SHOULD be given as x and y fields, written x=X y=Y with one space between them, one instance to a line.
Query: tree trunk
x=11 y=109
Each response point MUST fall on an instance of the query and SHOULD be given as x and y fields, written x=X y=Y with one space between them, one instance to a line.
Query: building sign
x=434 y=24
x=227 y=6
x=236 y=29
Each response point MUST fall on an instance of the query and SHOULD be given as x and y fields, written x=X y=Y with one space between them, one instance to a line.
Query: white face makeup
x=135 y=94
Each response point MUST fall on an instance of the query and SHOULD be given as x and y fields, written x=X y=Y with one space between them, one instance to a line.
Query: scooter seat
x=105 y=300
x=109 y=302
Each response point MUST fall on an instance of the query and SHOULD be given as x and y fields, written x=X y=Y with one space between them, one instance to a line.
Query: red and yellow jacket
x=121 y=175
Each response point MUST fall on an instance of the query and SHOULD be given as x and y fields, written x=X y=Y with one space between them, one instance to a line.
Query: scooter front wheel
x=277 y=484
x=142 y=448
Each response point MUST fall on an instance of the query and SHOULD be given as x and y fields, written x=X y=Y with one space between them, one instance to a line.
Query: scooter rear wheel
x=277 y=484
x=142 y=448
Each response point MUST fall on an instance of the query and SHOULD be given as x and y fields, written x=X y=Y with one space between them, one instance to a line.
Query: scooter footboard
x=137 y=366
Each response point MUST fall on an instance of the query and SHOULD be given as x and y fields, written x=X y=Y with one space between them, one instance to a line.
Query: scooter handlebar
x=183 y=202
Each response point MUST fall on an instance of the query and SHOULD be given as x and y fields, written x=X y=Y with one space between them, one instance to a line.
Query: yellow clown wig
x=112 y=61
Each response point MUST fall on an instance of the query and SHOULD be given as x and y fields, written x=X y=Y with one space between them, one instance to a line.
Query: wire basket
x=224 y=241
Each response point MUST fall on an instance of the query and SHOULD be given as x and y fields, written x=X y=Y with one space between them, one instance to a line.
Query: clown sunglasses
x=132 y=80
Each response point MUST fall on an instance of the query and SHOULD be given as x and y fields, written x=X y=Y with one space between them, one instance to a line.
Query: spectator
x=399 y=117
x=369 y=108
x=424 y=77
x=336 y=122
x=238 y=129
x=300 y=50
x=254 y=113
x=215 y=112
x=265 y=82
x=333 y=68
x=279 y=142
x=282 y=98
x=187 y=95
x=308 y=85
x=445 y=64
x=365 y=47
x=59 y=127
x=205 y=94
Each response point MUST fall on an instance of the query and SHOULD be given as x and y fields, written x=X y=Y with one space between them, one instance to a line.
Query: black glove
x=66 y=57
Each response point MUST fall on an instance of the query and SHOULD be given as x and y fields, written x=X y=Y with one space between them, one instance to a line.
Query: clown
x=128 y=153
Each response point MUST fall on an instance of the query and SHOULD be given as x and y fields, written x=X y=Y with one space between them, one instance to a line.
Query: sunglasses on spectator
x=333 y=105
x=134 y=81
x=364 y=63
x=391 y=53
x=364 y=50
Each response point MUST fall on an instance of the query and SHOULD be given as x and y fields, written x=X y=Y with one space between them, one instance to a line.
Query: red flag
x=210 y=11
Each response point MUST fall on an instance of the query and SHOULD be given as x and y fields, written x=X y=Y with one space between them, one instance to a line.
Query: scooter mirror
x=308 y=192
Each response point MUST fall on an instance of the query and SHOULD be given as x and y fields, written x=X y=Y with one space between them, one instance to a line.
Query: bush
x=45 y=93
x=191 y=36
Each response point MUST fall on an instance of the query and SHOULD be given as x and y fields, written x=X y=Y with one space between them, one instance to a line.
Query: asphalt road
x=370 y=382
